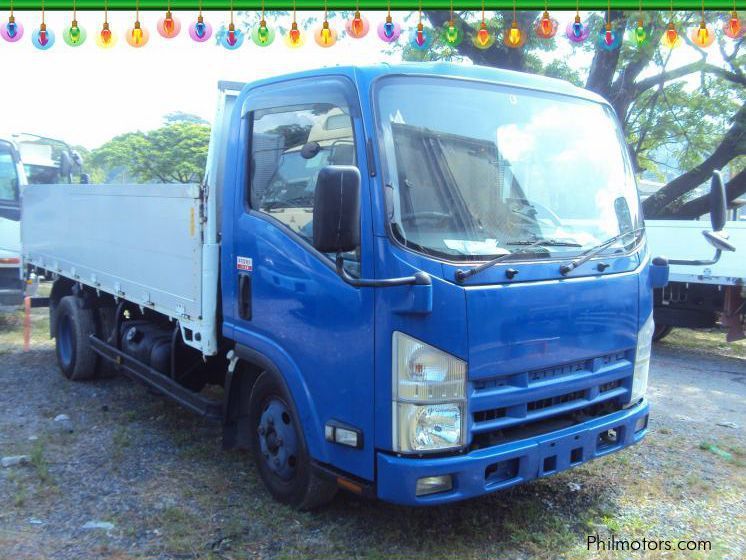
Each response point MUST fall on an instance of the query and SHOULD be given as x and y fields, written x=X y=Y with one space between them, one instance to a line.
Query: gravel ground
x=154 y=479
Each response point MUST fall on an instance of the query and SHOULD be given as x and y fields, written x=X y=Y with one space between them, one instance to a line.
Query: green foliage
x=182 y=117
x=173 y=153
x=676 y=126
x=675 y=114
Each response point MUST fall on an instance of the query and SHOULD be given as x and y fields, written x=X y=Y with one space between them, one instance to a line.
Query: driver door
x=316 y=328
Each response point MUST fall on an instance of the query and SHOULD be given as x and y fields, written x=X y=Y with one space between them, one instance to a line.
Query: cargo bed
x=141 y=243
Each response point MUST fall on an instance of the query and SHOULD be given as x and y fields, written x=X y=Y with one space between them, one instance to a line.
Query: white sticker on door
x=244 y=263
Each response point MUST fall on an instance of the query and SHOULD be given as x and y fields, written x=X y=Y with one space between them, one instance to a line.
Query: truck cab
x=442 y=389
x=12 y=180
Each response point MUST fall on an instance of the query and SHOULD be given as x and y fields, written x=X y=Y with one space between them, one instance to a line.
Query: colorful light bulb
x=137 y=36
x=483 y=39
x=420 y=35
x=389 y=31
x=514 y=38
x=294 y=39
x=169 y=26
x=325 y=36
x=11 y=31
x=43 y=38
x=200 y=30
x=230 y=37
x=358 y=26
x=702 y=36
x=638 y=35
x=106 y=39
x=733 y=27
x=422 y=38
x=609 y=39
x=546 y=28
x=577 y=31
x=451 y=34
x=263 y=35
x=74 y=35
x=671 y=37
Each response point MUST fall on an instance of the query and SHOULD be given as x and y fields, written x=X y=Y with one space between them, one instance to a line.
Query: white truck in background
x=12 y=181
x=706 y=294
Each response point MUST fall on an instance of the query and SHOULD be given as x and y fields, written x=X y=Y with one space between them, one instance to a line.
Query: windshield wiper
x=585 y=256
x=546 y=242
x=462 y=275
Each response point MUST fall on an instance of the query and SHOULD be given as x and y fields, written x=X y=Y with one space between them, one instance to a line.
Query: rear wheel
x=279 y=449
x=661 y=332
x=73 y=326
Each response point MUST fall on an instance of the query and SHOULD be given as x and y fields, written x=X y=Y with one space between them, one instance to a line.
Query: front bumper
x=487 y=470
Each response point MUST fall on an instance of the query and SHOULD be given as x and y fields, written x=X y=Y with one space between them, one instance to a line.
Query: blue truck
x=422 y=283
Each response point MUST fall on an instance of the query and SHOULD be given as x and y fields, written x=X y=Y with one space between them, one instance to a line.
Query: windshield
x=8 y=175
x=478 y=170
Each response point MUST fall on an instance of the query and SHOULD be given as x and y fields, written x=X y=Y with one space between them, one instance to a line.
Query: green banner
x=406 y=5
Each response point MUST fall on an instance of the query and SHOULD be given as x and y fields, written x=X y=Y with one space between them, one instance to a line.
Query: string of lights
x=514 y=36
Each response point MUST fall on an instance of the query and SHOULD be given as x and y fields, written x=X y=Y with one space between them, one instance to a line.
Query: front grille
x=546 y=403
x=505 y=408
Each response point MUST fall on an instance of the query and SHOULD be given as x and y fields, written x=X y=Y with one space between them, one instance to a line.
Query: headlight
x=642 y=360
x=429 y=397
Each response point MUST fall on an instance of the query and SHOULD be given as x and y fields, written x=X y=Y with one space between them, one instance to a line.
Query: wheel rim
x=277 y=440
x=65 y=340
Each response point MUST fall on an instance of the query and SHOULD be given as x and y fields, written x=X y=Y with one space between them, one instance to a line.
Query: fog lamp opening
x=434 y=485
x=641 y=424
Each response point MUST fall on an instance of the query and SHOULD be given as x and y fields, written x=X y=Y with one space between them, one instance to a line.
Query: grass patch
x=11 y=330
x=180 y=530
x=39 y=461
x=121 y=440
x=732 y=454
x=705 y=340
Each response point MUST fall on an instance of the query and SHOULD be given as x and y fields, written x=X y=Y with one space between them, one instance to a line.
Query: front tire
x=73 y=326
x=279 y=448
x=661 y=332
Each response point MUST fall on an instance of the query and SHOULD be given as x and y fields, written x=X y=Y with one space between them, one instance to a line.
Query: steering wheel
x=432 y=216
x=518 y=205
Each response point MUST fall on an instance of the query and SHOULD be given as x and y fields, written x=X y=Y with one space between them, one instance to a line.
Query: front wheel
x=280 y=450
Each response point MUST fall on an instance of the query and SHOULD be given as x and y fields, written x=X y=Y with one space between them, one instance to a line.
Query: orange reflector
x=10 y=260
x=349 y=485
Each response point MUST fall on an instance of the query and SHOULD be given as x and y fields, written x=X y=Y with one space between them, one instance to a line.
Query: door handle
x=244 y=296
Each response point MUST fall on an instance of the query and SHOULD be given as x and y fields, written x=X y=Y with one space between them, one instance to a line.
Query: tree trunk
x=700 y=206
x=732 y=145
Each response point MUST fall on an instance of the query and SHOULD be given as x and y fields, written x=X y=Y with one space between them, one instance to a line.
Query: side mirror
x=336 y=224
x=718 y=202
x=719 y=240
x=336 y=209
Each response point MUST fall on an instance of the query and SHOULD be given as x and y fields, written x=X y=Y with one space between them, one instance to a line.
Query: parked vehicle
x=12 y=180
x=48 y=160
x=705 y=295
x=457 y=301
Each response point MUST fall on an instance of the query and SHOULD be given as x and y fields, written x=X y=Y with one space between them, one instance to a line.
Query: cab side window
x=289 y=146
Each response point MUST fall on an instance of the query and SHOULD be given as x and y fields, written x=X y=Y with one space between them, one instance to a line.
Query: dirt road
x=151 y=482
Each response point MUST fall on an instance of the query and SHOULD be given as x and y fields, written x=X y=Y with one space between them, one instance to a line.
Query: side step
x=143 y=373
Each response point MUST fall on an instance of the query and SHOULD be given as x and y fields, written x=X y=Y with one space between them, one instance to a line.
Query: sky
x=87 y=95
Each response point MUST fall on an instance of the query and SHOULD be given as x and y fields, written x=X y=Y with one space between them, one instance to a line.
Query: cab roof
x=364 y=75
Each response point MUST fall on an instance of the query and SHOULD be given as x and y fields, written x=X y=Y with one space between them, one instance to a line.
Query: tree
x=657 y=105
x=174 y=153
x=182 y=117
